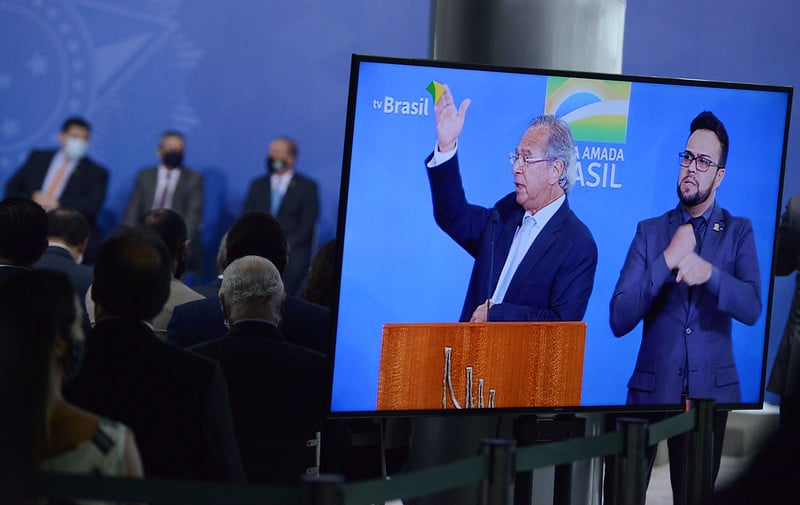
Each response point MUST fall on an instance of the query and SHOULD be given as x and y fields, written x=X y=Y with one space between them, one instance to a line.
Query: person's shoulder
x=149 y=171
x=304 y=180
x=91 y=165
x=191 y=173
x=195 y=306
x=658 y=221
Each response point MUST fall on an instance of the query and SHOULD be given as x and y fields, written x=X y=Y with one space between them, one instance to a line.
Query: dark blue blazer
x=555 y=278
x=279 y=397
x=304 y=323
x=58 y=258
x=679 y=329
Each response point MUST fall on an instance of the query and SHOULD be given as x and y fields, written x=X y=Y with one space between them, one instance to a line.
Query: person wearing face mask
x=65 y=177
x=41 y=351
x=170 y=185
x=293 y=199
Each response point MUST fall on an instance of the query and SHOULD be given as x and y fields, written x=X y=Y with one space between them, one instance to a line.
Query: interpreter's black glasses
x=703 y=164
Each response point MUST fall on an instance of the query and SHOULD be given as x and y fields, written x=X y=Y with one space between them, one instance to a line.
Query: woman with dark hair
x=41 y=342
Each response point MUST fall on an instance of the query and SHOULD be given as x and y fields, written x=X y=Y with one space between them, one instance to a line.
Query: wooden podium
x=524 y=364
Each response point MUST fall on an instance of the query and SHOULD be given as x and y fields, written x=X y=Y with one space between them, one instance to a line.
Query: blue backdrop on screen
x=230 y=75
x=398 y=266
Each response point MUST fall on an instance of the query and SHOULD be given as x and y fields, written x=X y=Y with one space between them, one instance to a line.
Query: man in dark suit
x=293 y=199
x=23 y=235
x=170 y=185
x=255 y=233
x=211 y=288
x=68 y=236
x=66 y=177
x=175 y=401
x=278 y=389
x=534 y=259
x=688 y=273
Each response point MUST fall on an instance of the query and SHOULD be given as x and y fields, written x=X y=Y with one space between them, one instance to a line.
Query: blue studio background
x=398 y=266
x=230 y=75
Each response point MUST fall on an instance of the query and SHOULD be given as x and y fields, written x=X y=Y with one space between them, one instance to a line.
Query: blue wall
x=230 y=75
x=733 y=40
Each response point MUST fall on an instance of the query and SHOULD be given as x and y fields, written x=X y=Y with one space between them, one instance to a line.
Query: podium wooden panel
x=527 y=364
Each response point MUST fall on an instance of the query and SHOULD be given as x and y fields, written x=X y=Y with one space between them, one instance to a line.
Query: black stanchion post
x=701 y=483
x=631 y=466
x=324 y=489
x=498 y=487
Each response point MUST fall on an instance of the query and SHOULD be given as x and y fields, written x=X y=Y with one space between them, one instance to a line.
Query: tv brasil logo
x=396 y=106
x=419 y=107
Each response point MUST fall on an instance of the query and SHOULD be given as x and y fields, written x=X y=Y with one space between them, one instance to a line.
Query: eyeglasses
x=702 y=163
x=513 y=158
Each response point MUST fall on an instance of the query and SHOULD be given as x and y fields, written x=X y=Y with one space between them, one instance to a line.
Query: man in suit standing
x=688 y=273
x=66 y=177
x=23 y=235
x=175 y=401
x=259 y=363
x=170 y=185
x=293 y=199
x=540 y=256
x=68 y=236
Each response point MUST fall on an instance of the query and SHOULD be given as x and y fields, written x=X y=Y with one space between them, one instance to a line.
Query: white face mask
x=76 y=148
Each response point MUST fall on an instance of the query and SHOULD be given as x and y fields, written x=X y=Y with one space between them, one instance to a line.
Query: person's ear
x=224 y=306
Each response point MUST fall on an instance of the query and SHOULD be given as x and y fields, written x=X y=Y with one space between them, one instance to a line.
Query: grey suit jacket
x=187 y=200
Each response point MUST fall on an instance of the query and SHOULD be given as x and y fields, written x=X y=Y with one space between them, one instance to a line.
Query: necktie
x=275 y=200
x=57 y=179
x=515 y=255
x=162 y=202
x=699 y=225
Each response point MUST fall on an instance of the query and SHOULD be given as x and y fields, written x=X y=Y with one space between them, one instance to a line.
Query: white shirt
x=165 y=178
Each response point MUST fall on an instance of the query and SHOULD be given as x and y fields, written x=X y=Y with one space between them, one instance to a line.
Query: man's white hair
x=252 y=280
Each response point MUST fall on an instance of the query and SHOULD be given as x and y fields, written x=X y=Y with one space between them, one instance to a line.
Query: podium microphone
x=494 y=217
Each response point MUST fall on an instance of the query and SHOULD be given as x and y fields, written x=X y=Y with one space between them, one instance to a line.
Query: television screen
x=634 y=308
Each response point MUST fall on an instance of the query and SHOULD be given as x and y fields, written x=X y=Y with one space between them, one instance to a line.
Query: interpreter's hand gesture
x=449 y=120
x=680 y=246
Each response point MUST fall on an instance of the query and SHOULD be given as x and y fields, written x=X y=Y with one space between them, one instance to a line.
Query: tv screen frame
x=395 y=265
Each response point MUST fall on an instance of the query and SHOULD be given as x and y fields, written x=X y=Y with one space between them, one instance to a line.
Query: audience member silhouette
x=211 y=289
x=170 y=226
x=278 y=389
x=41 y=340
x=175 y=401
x=23 y=235
x=321 y=281
x=255 y=233
x=68 y=236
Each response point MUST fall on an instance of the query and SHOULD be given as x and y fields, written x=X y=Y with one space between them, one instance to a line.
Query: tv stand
x=534 y=429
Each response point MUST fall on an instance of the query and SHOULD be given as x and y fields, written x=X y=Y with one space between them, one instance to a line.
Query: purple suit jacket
x=683 y=335
x=555 y=278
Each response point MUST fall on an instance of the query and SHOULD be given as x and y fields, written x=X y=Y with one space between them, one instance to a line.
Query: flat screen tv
x=403 y=274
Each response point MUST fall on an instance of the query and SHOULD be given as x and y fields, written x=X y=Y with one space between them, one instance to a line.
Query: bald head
x=252 y=289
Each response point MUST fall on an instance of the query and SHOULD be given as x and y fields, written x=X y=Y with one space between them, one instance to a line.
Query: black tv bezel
x=357 y=59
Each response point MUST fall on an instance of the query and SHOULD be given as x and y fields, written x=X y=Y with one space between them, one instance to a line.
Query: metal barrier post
x=631 y=469
x=701 y=482
x=498 y=487
x=324 y=489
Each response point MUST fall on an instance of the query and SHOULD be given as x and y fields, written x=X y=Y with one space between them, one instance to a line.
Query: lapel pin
x=718 y=227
